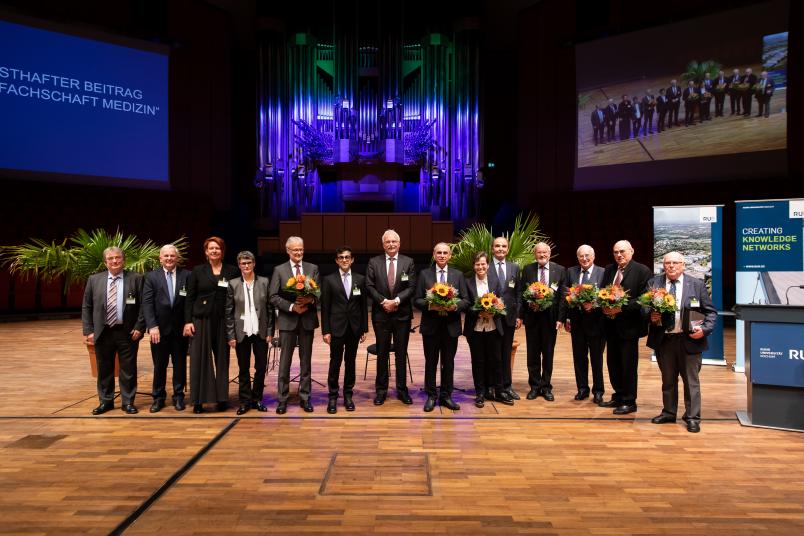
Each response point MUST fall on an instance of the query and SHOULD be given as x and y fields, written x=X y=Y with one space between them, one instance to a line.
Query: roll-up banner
x=770 y=257
x=697 y=233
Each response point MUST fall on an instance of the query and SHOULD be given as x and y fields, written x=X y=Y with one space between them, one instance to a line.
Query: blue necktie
x=443 y=276
x=170 y=286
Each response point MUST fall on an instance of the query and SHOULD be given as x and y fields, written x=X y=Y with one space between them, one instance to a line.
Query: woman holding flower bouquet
x=483 y=330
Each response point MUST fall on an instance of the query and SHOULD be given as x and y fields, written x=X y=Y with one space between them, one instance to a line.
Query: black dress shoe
x=179 y=404
x=663 y=418
x=198 y=408
x=349 y=404
x=222 y=406
x=581 y=394
x=685 y=418
x=156 y=406
x=450 y=404
x=103 y=408
x=693 y=426
x=259 y=406
x=479 y=401
x=130 y=409
x=332 y=406
x=532 y=394
x=379 y=400
x=504 y=398
x=242 y=409
x=429 y=405
x=548 y=395
x=488 y=394
x=597 y=398
x=306 y=405
x=404 y=398
x=610 y=404
x=513 y=394
x=282 y=408
x=625 y=409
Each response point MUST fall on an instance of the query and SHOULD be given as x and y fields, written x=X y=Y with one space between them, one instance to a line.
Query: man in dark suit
x=541 y=327
x=679 y=347
x=598 y=119
x=505 y=282
x=391 y=281
x=625 y=112
x=625 y=328
x=250 y=322
x=586 y=328
x=735 y=96
x=344 y=324
x=649 y=107
x=764 y=92
x=637 y=115
x=662 y=106
x=751 y=79
x=706 y=98
x=111 y=320
x=611 y=119
x=719 y=88
x=296 y=322
x=440 y=327
x=674 y=96
x=691 y=98
x=163 y=295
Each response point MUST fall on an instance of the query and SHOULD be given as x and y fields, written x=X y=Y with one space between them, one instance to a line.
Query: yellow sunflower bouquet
x=659 y=300
x=612 y=299
x=539 y=296
x=301 y=286
x=441 y=295
x=489 y=303
x=583 y=297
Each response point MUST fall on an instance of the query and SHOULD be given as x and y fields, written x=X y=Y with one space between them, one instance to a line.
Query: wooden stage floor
x=565 y=467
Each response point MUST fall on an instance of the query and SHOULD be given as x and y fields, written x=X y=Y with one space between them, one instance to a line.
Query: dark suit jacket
x=93 y=309
x=688 y=92
x=590 y=323
x=625 y=110
x=598 y=120
x=768 y=88
x=339 y=313
x=673 y=94
x=282 y=299
x=557 y=281
x=661 y=103
x=749 y=79
x=611 y=113
x=203 y=297
x=472 y=316
x=404 y=287
x=156 y=307
x=432 y=321
x=511 y=289
x=236 y=308
x=693 y=288
x=629 y=323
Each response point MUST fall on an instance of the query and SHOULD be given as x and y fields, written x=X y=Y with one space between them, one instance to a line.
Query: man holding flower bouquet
x=441 y=296
x=293 y=292
x=624 y=325
x=584 y=322
x=540 y=312
x=677 y=339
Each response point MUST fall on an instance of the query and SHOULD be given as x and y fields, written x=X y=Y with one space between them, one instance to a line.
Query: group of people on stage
x=634 y=116
x=217 y=307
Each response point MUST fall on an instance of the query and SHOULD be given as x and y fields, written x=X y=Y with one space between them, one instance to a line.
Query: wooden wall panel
x=354 y=233
x=333 y=231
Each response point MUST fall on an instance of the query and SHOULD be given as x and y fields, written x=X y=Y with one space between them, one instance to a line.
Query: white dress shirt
x=679 y=296
x=483 y=324
x=251 y=324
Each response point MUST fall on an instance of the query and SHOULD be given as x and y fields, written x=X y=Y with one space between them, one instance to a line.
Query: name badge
x=223 y=283
x=554 y=286
x=404 y=277
x=131 y=300
x=512 y=284
x=694 y=303
x=356 y=291
x=182 y=292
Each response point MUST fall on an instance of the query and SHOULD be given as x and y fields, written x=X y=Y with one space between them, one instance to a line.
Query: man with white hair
x=679 y=343
x=163 y=295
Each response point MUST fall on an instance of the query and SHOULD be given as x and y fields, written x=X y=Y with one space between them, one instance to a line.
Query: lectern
x=774 y=366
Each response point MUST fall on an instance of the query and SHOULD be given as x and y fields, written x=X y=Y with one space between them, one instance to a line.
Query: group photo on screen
x=695 y=89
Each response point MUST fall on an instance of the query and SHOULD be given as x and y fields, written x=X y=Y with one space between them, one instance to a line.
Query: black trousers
x=399 y=333
x=660 y=122
x=209 y=361
x=622 y=359
x=116 y=340
x=585 y=349
x=648 y=122
x=689 y=114
x=720 y=100
x=673 y=118
x=735 y=100
x=541 y=342
x=342 y=350
x=764 y=106
x=288 y=339
x=485 y=348
x=674 y=361
x=251 y=391
x=748 y=96
x=170 y=347
x=440 y=346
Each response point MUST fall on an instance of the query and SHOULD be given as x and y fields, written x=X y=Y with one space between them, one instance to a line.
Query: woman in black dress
x=204 y=311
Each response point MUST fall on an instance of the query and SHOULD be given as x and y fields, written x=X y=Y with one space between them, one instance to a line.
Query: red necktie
x=619 y=277
x=391 y=275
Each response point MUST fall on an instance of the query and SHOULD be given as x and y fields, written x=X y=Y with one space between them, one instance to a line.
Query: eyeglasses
x=343 y=257
x=245 y=263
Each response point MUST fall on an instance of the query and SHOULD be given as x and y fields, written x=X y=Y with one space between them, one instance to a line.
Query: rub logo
x=797 y=354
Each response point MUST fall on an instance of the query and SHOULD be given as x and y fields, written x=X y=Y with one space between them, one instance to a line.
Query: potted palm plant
x=78 y=256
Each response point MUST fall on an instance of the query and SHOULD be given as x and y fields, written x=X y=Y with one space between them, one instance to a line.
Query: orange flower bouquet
x=441 y=295
x=489 y=303
x=539 y=296
x=612 y=299
x=582 y=297
x=659 y=300
x=301 y=286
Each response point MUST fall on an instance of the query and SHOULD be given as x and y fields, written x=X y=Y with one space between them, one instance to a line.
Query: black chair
x=371 y=349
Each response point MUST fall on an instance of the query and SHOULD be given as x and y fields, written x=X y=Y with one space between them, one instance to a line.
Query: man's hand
x=304 y=300
x=559 y=325
x=89 y=339
x=363 y=337
x=518 y=323
x=389 y=306
x=299 y=309
x=655 y=317
x=136 y=335
x=327 y=338
x=568 y=326
x=232 y=343
x=269 y=339
x=697 y=333
x=153 y=333
x=189 y=330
